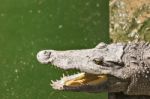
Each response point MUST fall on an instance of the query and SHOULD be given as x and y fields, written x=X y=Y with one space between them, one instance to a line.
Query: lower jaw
x=87 y=79
x=80 y=82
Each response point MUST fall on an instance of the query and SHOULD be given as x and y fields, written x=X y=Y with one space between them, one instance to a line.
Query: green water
x=28 y=26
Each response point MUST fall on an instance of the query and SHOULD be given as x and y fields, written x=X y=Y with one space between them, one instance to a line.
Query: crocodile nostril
x=44 y=56
x=46 y=53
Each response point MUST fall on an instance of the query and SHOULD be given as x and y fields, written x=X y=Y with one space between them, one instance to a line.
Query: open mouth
x=69 y=60
x=79 y=81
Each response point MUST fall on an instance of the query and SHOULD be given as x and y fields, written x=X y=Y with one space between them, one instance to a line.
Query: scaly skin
x=127 y=67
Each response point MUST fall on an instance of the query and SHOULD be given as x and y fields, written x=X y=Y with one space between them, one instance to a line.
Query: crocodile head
x=98 y=67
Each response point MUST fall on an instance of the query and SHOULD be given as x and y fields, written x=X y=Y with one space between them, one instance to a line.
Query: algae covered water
x=28 y=26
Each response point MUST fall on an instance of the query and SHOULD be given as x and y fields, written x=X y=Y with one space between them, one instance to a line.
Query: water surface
x=28 y=26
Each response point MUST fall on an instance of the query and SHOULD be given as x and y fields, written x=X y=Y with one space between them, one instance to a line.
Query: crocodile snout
x=44 y=56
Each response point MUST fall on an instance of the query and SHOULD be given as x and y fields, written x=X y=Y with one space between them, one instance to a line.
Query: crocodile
x=115 y=67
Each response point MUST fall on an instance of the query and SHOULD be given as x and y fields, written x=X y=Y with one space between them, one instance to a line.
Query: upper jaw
x=88 y=60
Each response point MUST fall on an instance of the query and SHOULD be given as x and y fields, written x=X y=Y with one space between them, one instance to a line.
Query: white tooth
x=52 y=84
x=63 y=75
x=52 y=81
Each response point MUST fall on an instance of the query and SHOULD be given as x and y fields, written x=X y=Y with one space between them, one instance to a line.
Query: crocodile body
x=116 y=67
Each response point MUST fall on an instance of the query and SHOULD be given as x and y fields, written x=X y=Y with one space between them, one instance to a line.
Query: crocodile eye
x=101 y=45
x=98 y=61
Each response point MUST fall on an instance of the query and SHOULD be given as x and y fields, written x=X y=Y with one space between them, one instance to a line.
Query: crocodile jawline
x=79 y=81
